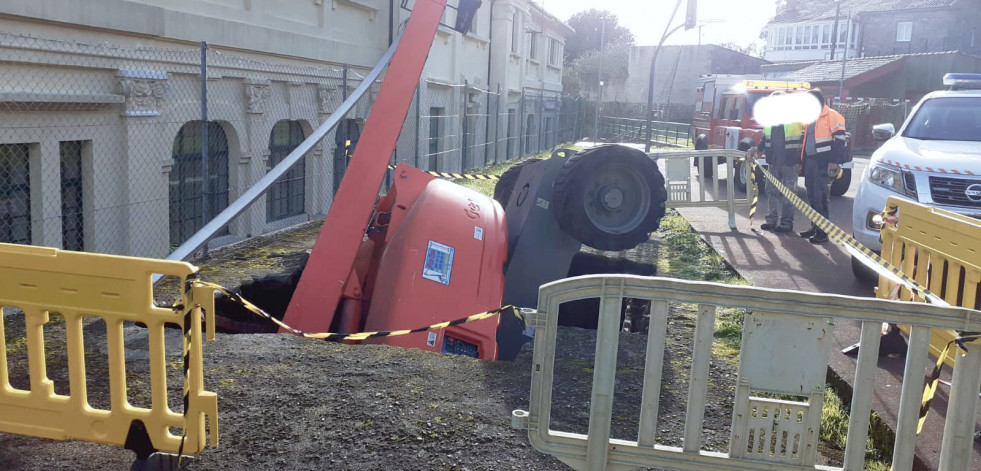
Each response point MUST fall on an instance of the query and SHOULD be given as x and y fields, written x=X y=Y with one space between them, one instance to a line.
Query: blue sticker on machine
x=439 y=263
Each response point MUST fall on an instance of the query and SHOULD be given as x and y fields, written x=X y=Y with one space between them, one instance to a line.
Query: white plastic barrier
x=698 y=190
x=785 y=345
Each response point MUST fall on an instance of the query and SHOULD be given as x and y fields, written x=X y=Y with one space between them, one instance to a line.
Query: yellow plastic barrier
x=40 y=281
x=940 y=250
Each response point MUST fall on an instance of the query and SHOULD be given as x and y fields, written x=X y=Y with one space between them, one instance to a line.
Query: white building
x=101 y=110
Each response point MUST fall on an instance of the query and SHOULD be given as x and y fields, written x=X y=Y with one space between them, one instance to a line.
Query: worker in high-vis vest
x=781 y=146
x=823 y=151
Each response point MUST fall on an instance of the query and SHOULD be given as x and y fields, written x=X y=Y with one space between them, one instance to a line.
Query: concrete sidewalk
x=787 y=261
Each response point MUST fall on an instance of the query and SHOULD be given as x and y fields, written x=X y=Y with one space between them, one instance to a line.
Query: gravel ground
x=292 y=403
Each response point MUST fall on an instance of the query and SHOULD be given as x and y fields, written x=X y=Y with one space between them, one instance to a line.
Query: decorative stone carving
x=325 y=99
x=144 y=91
x=258 y=95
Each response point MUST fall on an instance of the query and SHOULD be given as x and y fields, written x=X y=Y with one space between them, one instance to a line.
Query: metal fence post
x=521 y=121
x=205 y=199
x=464 y=155
x=497 y=128
x=418 y=121
x=541 y=117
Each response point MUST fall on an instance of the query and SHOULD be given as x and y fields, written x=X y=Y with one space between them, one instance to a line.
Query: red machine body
x=439 y=254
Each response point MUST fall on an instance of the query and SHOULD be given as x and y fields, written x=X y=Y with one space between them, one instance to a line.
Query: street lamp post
x=689 y=22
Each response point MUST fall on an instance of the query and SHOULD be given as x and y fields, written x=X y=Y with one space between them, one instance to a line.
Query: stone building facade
x=101 y=116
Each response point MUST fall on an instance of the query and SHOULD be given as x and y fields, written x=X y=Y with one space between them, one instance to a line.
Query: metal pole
x=541 y=115
x=205 y=198
x=599 y=82
x=834 y=30
x=650 y=84
x=521 y=120
x=844 y=58
x=418 y=112
x=497 y=128
x=487 y=125
x=464 y=155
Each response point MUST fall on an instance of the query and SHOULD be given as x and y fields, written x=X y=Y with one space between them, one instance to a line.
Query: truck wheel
x=862 y=272
x=706 y=165
x=505 y=185
x=610 y=197
x=742 y=182
x=740 y=174
x=841 y=184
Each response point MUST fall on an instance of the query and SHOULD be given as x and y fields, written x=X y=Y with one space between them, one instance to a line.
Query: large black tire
x=706 y=165
x=505 y=185
x=610 y=197
x=841 y=184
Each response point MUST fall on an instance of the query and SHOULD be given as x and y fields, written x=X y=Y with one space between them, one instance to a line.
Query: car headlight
x=887 y=176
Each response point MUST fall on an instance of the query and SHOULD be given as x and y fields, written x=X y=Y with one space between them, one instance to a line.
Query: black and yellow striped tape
x=930 y=389
x=234 y=297
x=457 y=176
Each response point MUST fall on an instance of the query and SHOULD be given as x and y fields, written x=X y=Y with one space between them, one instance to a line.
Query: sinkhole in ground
x=272 y=294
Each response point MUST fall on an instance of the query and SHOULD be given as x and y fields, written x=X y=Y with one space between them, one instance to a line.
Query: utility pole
x=688 y=24
x=844 y=58
x=834 y=30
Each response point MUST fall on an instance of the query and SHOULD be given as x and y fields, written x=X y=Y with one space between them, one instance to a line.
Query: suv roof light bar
x=962 y=81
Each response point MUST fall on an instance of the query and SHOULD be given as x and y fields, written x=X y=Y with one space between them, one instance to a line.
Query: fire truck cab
x=723 y=119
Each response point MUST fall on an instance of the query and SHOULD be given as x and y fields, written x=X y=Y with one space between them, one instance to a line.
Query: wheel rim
x=617 y=199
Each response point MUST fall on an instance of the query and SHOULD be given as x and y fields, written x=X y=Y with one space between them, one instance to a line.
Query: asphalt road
x=787 y=261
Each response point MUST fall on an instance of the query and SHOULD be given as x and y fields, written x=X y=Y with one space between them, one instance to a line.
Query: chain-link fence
x=862 y=114
x=103 y=148
x=133 y=150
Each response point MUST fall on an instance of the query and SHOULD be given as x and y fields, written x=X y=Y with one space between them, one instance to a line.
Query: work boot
x=818 y=238
x=782 y=228
x=767 y=226
x=808 y=233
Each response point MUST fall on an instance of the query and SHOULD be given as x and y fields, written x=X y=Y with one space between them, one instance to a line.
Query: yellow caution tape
x=234 y=297
x=457 y=176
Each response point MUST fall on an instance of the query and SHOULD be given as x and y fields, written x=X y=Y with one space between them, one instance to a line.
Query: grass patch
x=834 y=431
x=683 y=254
x=487 y=186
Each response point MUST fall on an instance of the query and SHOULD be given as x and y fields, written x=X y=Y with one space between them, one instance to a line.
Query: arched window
x=187 y=197
x=15 y=194
x=285 y=197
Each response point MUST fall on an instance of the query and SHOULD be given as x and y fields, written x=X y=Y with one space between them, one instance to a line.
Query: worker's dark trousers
x=781 y=210
x=818 y=185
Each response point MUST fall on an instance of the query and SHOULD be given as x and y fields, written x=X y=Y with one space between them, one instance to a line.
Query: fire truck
x=724 y=120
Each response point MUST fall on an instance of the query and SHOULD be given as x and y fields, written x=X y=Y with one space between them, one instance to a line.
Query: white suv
x=935 y=159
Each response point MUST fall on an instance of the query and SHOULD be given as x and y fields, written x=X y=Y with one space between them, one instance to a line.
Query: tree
x=589 y=29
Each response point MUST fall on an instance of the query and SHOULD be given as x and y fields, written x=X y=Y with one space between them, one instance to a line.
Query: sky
x=738 y=21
